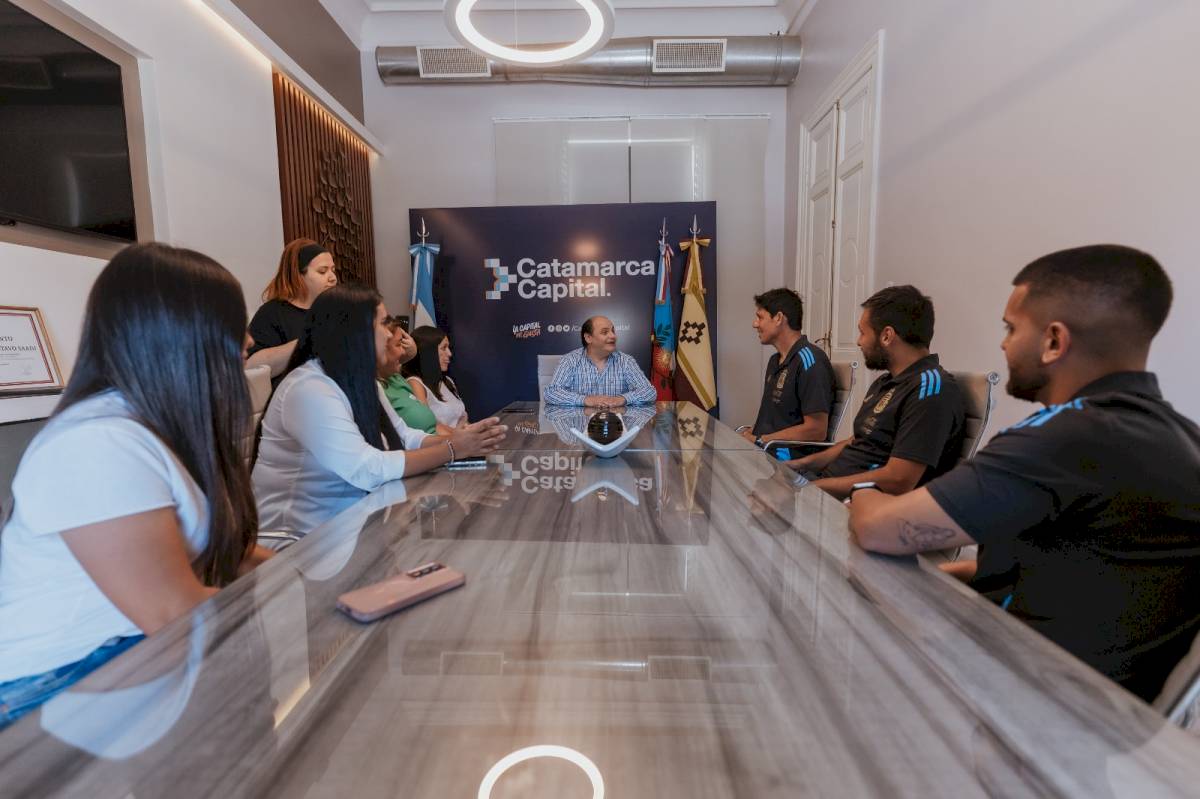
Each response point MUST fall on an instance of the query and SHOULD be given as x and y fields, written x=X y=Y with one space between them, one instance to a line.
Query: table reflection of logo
x=547 y=471
x=528 y=428
x=690 y=427
x=603 y=474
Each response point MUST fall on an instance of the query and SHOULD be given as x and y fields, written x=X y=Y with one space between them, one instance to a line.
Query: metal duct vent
x=452 y=62
x=689 y=55
x=640 y=61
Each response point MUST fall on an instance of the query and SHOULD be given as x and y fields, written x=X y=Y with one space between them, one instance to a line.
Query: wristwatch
x=758 y=441
x=857 y=486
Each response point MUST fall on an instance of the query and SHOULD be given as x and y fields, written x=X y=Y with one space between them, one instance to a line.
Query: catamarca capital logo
x=501 y=279
x=556 y=280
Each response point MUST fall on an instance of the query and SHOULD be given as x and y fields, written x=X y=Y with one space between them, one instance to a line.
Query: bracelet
x=450 y=447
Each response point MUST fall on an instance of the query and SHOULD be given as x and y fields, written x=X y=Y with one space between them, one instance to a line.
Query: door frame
x=869 y=58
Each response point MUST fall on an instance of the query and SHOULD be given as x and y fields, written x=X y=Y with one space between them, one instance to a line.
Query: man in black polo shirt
x=910 y=427
x=1094 y=500
x=798 y=390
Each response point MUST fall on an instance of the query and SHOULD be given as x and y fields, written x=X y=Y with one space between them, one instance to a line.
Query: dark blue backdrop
x=547 y=269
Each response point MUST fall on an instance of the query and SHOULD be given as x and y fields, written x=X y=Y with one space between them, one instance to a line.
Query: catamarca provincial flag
x=694 y=379
x=421 y=306
x=662 y=355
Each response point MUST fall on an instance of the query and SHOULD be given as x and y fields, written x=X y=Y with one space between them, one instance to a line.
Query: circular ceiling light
x=600 y=29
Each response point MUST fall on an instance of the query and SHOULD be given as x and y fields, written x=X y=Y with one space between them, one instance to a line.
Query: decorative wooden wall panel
x=324 y=181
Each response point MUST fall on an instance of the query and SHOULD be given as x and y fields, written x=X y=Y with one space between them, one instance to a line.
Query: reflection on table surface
x=665 y=426
x=682 y=618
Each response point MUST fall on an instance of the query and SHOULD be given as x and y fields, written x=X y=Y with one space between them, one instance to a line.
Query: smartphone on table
x=375 y=601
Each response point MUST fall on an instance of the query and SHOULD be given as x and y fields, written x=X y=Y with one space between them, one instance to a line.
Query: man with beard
x=1095 y=499
x=910 y=427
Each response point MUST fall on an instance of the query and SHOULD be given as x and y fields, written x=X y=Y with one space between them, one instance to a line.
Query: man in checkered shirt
x=596 y=375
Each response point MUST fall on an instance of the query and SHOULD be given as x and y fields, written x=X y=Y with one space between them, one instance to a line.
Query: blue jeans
x=25 y=694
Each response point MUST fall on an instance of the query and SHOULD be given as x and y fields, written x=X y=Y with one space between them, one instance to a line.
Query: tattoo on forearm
x=923 y=536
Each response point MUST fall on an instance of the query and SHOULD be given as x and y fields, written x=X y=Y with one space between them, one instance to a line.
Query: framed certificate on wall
x=27 y=362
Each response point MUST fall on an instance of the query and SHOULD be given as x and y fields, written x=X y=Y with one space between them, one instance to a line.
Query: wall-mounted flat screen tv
x=64 y=153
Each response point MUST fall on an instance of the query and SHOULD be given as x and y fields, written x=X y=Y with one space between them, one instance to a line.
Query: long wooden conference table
x=675 y=622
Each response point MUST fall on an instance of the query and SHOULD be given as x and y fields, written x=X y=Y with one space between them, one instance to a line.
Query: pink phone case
x=407 y=588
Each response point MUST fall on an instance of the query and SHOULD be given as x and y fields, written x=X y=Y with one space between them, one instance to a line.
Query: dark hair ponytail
x=164 y=327
x=340 y=332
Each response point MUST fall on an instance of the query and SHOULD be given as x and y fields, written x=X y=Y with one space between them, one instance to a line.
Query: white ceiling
x=372 y=23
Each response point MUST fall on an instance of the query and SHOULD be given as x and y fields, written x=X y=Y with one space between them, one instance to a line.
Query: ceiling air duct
x=643 y=61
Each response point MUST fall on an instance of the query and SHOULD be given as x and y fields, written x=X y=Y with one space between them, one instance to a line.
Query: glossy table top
x=665 y=426
x=682 y=618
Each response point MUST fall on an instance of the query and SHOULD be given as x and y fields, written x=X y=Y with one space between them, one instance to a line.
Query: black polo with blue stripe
x=795 y=386
x=918 y=415
x=1093 y=508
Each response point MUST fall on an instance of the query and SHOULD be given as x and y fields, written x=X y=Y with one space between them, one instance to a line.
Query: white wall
x=1012 y=128
x=209 y=116
x=441 y=153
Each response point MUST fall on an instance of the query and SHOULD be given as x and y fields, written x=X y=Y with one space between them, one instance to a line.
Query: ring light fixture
x=600 y=29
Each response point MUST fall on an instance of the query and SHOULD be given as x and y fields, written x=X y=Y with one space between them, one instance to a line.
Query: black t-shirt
x=1097 y=503
x=917 y=415
x=796 y=386
x=276 y=322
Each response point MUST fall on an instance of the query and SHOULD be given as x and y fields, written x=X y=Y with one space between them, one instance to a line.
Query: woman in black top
x=305 y=270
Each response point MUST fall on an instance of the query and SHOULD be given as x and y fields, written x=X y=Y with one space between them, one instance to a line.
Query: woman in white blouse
x=329 y=435
x=133 y=504
x=427 y=375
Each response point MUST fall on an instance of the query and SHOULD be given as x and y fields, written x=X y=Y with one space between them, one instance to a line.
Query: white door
x=818 y=227
x=835 y=246
x=852 y=215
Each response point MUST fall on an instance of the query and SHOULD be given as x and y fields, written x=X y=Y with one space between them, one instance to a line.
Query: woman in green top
x=402 y=348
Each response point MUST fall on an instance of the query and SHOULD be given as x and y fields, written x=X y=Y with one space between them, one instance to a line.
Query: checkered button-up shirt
x=577 y=378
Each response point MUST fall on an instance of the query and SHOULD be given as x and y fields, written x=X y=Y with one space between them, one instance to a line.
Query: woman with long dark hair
x=427 y=375
x=329 y=434
x=305 y=270
x=133 y=504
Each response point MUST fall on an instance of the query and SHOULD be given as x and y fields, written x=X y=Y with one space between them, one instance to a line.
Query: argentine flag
x=423 y=256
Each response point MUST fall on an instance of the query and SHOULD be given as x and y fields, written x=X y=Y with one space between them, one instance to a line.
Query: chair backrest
x=546 y=364
x=843 y=385
x=259 y=380
x=1179 y=699
x=977 y=392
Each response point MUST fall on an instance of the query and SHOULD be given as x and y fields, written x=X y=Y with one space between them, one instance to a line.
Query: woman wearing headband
x=305 y=270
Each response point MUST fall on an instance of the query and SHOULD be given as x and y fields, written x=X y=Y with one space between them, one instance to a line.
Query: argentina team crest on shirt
x=782 y=379
x=884 y=400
